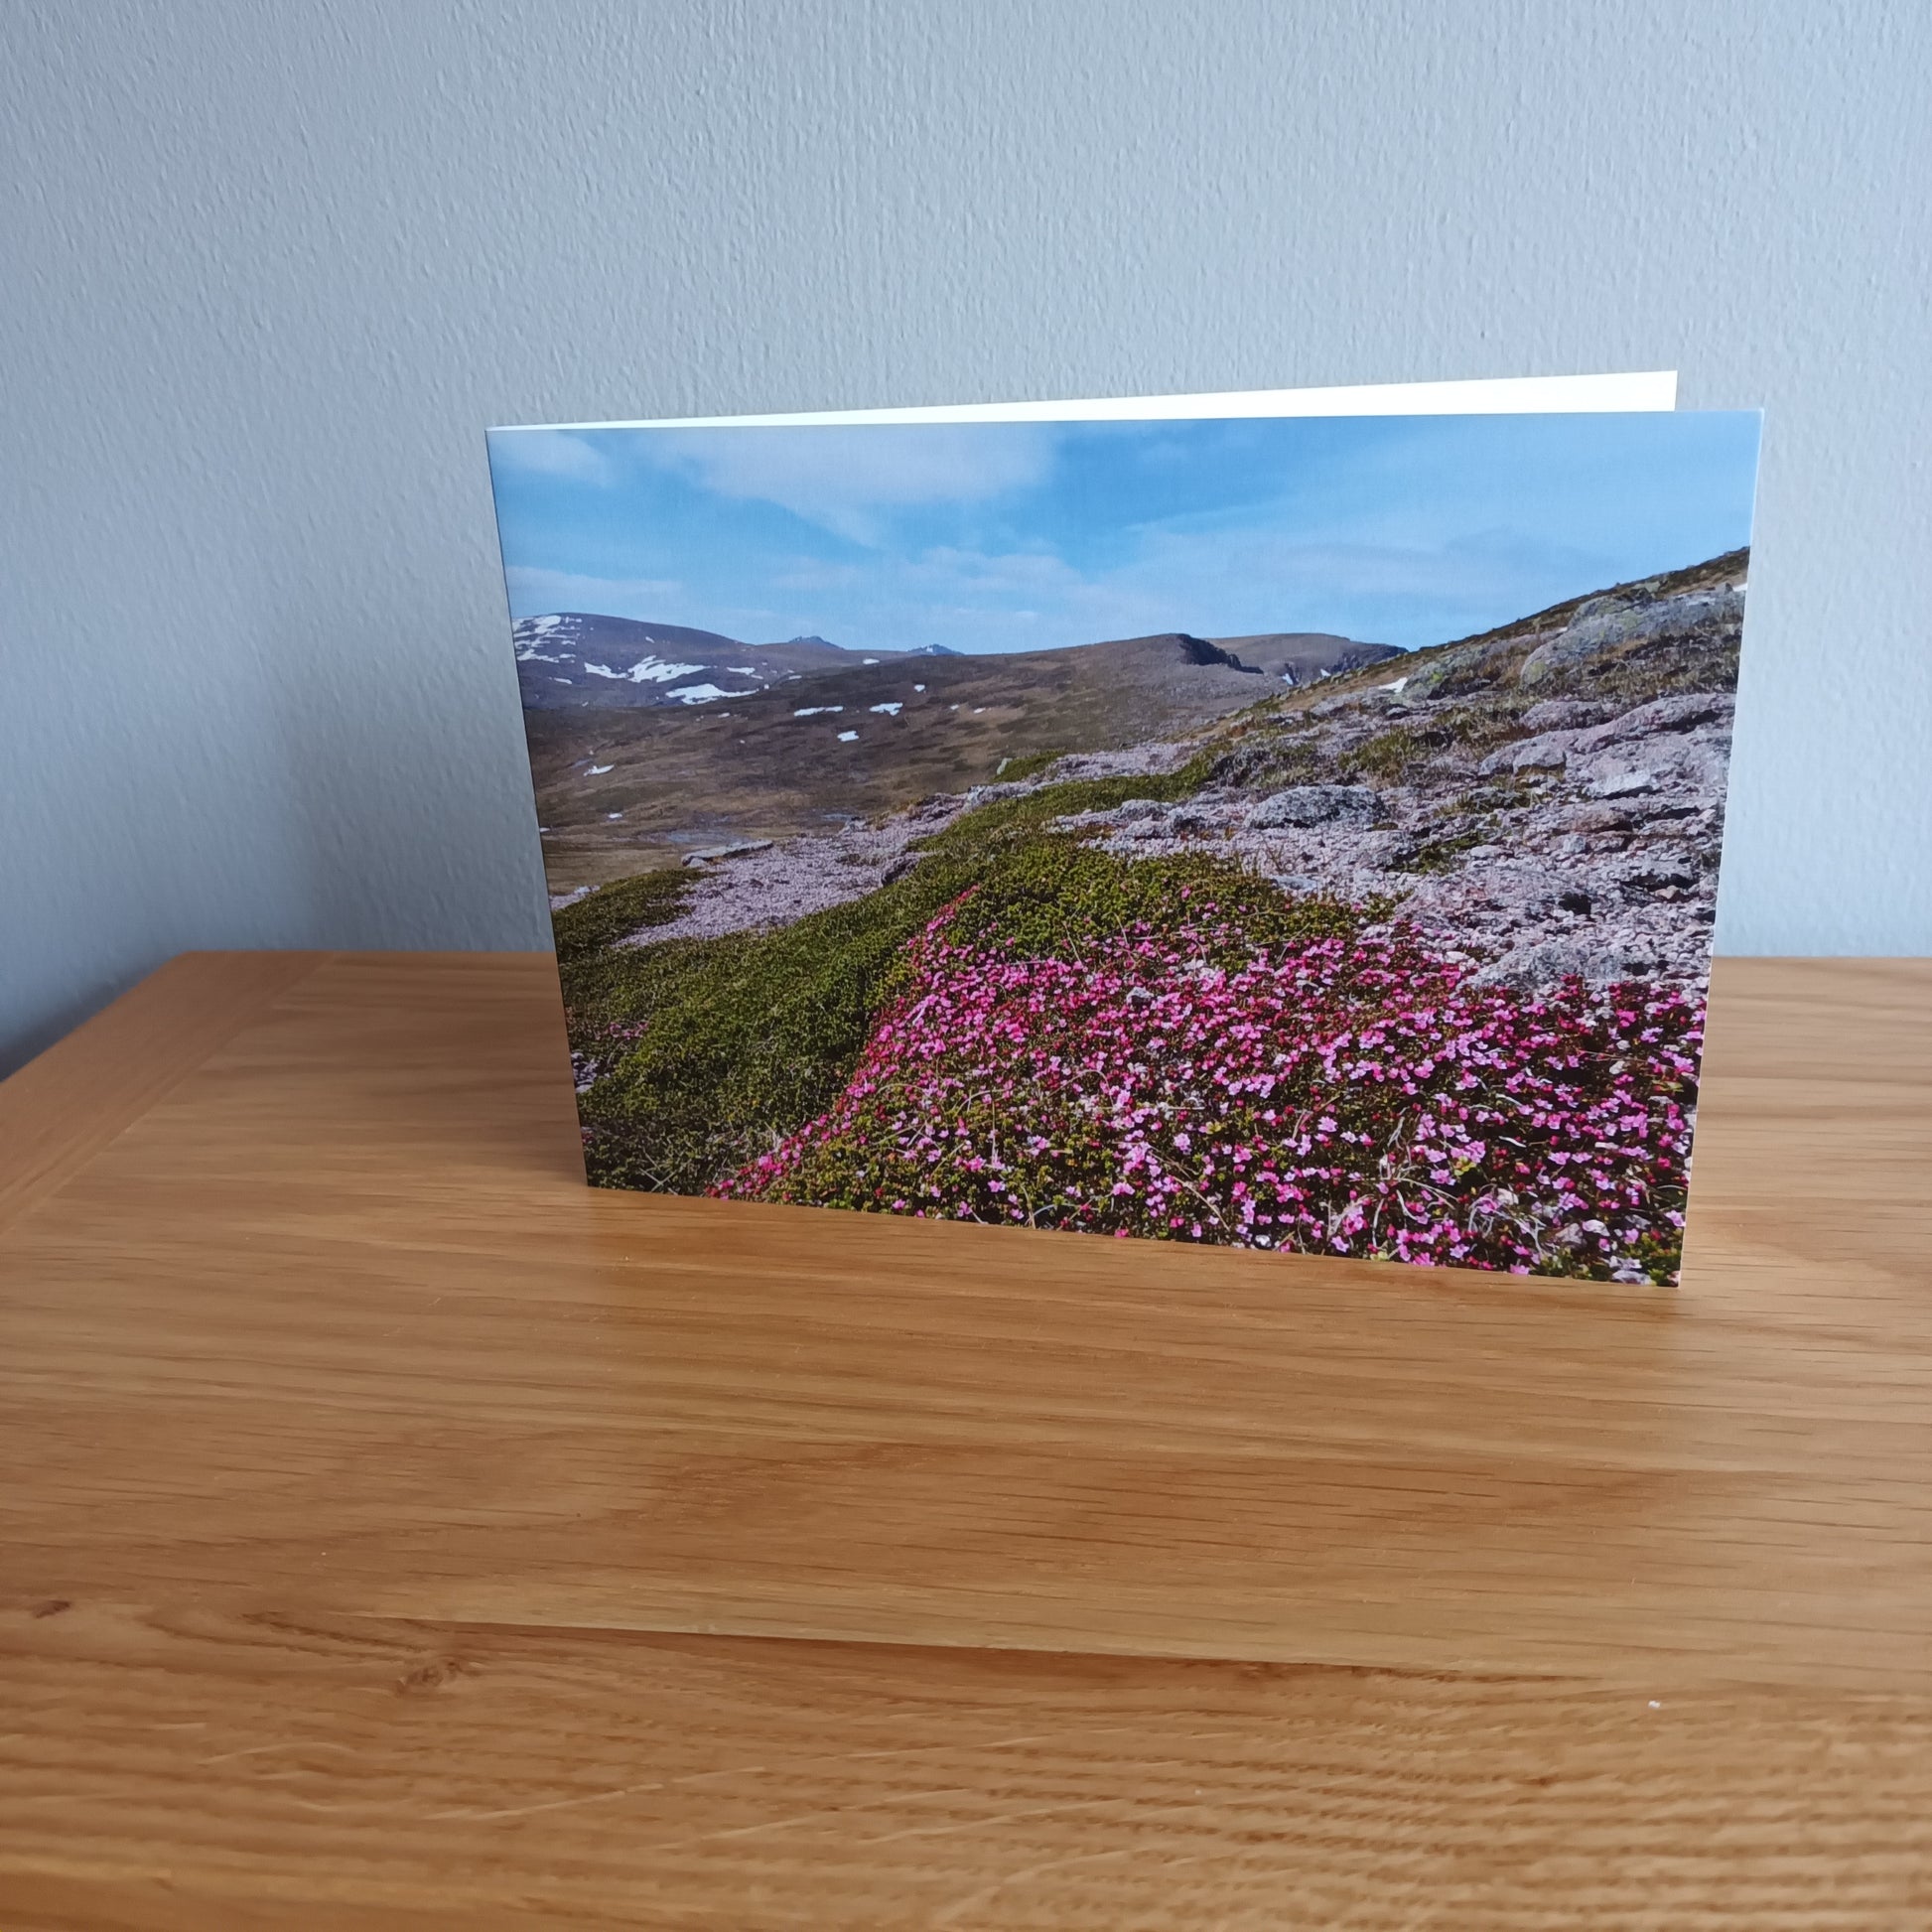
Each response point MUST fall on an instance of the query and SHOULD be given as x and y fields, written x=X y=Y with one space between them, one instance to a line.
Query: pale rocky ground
x=777 y=884
x=1580 y=834
x=1601 y=858
x=772 y=885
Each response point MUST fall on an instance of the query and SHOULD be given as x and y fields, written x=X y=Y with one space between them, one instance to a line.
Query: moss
x=1393 y=757
x=1513 y=792
x=1439 y=854
x=1482 y=727
x=730 y=1044
x=1267 y=760
x=618 y=910
x=744 y=1037
x=1058 y=898
x=1654 y=670
x=1013 y=770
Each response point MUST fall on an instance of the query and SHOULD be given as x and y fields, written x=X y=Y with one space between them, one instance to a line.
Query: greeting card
x=1292 y=832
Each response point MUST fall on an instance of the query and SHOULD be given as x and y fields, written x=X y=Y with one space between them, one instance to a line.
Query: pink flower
x=1355 y=1098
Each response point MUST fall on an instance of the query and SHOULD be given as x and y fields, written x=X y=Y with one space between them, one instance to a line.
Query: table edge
x=68 y=1102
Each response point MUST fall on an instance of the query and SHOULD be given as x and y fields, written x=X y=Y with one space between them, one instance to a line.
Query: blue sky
x=1016 y=536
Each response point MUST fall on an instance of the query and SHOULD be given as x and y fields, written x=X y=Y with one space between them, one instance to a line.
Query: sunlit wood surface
x=397 y=1534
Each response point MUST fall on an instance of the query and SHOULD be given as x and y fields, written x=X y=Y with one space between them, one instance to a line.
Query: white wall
x=266 y=271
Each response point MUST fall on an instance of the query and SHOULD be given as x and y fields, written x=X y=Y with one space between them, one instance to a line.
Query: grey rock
x=1313 y=805
x=1546 y=962
x=1544 y=752
x=1659 y=878
x=712 y=854
x=1428 y=681
x=1377 y=699
x=1622 y=785
x=1682 y=711
x=1607 y=624
x=1564 y=714
x=1465 y=668
x=1680 y=764
x=1600 y=818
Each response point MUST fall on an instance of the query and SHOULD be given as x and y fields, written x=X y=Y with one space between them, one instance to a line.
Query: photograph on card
x=1294 y=833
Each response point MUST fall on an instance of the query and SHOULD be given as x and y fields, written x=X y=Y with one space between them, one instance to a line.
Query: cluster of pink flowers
x=1355 y=1096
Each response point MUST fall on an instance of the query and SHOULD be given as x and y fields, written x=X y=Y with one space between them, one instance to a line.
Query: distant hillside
x=575 y=660
x=1302 y=656
x=625 y=787
x=572 y=659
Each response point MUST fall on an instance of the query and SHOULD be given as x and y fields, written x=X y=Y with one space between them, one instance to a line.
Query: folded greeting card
x=1295 y=832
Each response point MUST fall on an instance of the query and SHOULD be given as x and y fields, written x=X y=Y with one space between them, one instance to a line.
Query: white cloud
x=533 y=589
x=551 y=453
x=1196 y=580
x=842 y=479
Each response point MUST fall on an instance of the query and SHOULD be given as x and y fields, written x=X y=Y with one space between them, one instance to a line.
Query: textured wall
x=269 y=270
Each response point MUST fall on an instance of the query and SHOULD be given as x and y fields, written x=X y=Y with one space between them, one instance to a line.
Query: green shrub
x=1053 y=897
x=617 y=911
x=1653 y=670
x=1267 y=760
x=1482 y=727
x=746 y=1037
x=1013 y=770
x=1395 y=756
x=1439 y=854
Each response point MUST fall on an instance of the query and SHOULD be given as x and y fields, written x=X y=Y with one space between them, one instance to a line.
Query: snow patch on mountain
x=646 y=670
x=705 y=693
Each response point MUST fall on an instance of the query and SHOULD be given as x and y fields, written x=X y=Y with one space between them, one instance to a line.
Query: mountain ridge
x=582 y=659
x=626 y=786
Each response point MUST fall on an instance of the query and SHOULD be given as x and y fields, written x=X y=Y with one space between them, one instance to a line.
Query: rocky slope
x=1543 y=800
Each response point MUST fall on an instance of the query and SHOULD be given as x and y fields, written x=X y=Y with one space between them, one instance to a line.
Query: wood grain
x=197 y=1770
x=328 y=1369
x=61 y=1109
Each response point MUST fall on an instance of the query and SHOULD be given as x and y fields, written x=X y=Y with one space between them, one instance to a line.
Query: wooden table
x=398 y=1535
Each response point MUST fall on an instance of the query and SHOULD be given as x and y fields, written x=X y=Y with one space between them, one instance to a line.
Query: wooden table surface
x=400 y=1536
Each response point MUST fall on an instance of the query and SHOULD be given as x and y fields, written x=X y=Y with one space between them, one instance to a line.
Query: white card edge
x=1653 y=389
